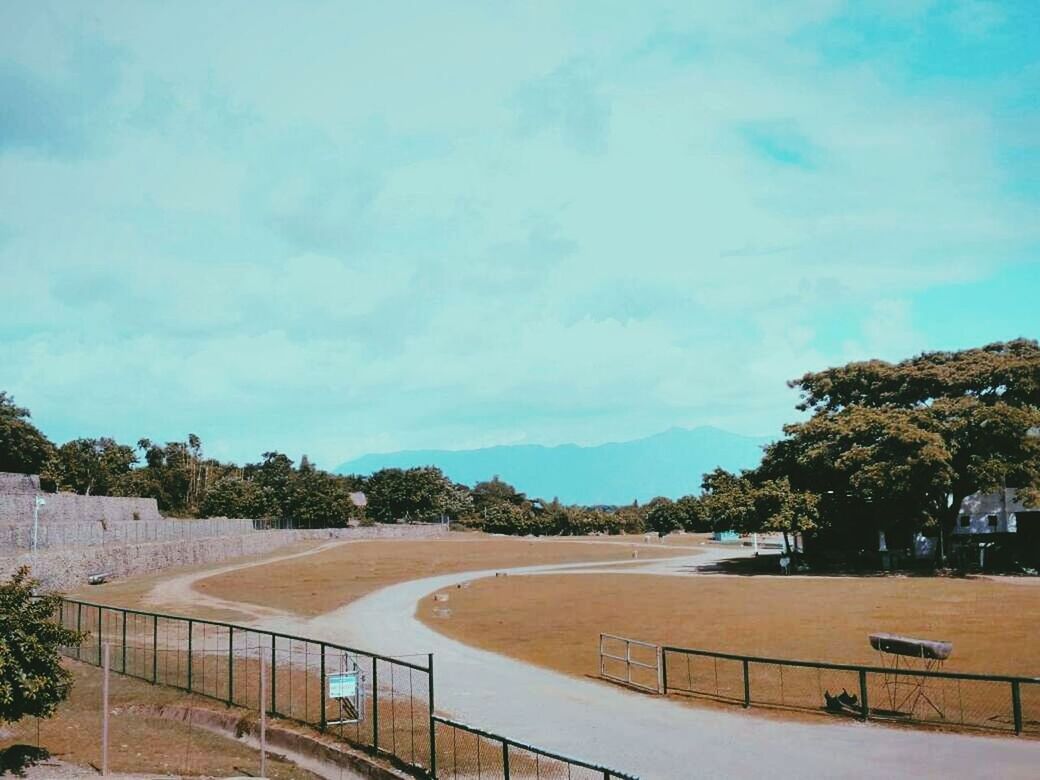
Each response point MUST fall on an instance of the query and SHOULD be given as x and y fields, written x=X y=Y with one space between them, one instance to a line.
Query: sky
x=341 y=228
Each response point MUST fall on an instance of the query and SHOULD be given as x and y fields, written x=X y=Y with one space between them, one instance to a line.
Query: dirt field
x=329 y=579
x=138 y=744
x=554 y=620
x=132 y=593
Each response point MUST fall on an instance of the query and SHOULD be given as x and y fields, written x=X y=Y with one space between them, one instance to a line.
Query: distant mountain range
x=666 y=464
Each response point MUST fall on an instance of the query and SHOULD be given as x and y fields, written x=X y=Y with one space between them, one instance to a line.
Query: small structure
x=907 y=661
x=725 y=536
x=995 y=522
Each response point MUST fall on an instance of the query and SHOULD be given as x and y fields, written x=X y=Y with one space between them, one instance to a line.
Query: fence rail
x=979 y=701
x=631 y=662
x=223 y=661
x=467 y=752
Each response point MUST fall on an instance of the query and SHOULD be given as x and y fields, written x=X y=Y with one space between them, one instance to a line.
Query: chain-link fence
x=224 y=661
x=978 y=701
x=467 y=752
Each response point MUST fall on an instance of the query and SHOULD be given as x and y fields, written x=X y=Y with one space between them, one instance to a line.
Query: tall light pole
x=36 y=520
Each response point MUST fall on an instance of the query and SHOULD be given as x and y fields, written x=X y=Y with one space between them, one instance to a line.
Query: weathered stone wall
x=65 y=568
x=19 y=483
x=17 y=508
x=20 y=536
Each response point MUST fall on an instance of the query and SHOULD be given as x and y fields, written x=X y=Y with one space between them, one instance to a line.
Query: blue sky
x=338 y=228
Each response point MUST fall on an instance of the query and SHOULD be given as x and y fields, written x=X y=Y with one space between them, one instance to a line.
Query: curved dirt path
x=646 y=735
x=180 y=590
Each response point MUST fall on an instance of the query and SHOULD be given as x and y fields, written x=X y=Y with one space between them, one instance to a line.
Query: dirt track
x=648 y=736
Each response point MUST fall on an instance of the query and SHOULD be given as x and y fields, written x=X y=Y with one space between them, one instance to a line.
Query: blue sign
x=343 y=686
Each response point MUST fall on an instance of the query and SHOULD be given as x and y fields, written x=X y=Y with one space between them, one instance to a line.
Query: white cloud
x=329 y=236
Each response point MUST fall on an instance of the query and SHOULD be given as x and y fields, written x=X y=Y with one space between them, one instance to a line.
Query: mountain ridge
x=669 y=463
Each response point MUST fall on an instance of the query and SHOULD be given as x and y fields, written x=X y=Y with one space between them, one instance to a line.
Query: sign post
x=346 y=688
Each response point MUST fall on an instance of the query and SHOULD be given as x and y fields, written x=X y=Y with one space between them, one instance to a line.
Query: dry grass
x=554 y=620
x=133 y=593
x=137 y=743
x=324 y=581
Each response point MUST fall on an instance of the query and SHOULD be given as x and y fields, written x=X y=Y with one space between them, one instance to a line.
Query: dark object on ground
x=17 y=758
x=931 y=649
x=843 y=702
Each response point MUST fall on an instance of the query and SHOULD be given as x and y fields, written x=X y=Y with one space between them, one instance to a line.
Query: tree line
x=185 y=482
x=887 y=447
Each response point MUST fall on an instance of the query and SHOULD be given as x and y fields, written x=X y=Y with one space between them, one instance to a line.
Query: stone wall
x=17 y=509
x=19 y=483
x=66 y=568
x=20 y=536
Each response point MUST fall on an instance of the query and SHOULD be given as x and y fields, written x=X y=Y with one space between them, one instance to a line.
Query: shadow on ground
x=14 y=760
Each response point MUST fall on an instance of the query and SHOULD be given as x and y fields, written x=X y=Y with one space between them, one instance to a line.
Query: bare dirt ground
x=646 y=735
x=139 y=745
x=555 y=620
x=136 y=592
x=343 y=572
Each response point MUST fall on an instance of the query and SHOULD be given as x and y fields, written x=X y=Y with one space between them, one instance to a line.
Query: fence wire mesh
x=468 y=753
x=912 y=695
x=223 y=661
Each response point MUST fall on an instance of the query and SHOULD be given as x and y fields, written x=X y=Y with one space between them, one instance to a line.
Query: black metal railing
x=466 y=752
x=927 y=696
x=223 y=661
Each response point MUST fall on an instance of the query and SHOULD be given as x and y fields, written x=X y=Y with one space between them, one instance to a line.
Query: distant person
x=785 y=563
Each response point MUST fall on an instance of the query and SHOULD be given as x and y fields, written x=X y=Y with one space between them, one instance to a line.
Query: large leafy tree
x=32 y=679
x=234 y=496
x=409 y=494
x=749 y=503
x=89 y=466
x=23 y=448
x=898 y=446
x=496 y=491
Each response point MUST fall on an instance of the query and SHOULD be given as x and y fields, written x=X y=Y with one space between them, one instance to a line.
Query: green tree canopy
x=88 y=466
x=32 y=679
x=23 y=448
x=897 y=447
x=409 y=494
x=235 y=496
x=496 y=491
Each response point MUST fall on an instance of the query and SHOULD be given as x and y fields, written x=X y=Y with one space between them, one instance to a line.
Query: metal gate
x=631 y=662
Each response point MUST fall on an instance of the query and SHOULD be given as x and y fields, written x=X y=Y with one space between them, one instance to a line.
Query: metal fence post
x=231 y=665
x=155 y=648
x=664 y=672
x=99 y=610
x=505 y=760
x=79 y=627
x=1016 y=705
x=191 y=623
x=375 y=704
x=273 y=678
x=324 y=719
x=433 y=723
x=863 y=694
x=747 y=685
x=124 y=641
